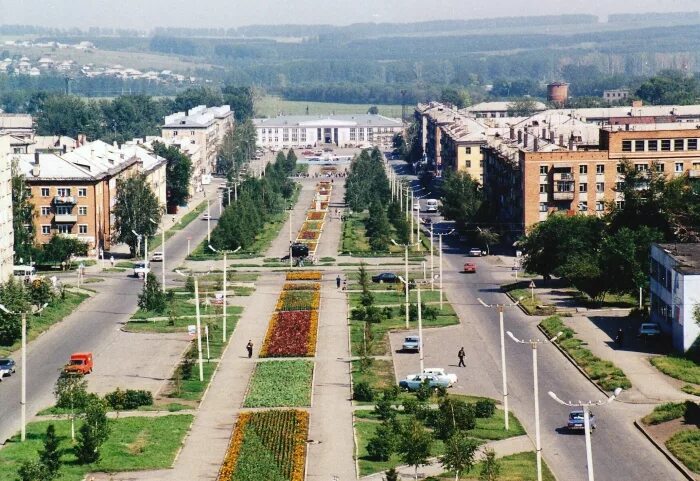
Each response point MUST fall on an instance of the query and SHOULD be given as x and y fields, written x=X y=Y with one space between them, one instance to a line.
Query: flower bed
x=315 y=215
x=291 y=334
x=267 y=445
x=312 y=225
x=298 y=301
x=309 y=235
x=291 y=286
x=304 y=276
x=280 y=384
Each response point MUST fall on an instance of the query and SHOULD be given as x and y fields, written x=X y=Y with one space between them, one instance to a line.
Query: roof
x=198 y=117
x=51 y=167
x=687 y=256
x=368 y=120
x=16 y=121
x=499 y=106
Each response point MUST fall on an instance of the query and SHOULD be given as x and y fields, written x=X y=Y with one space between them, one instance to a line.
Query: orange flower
x=234 y=448
x=313 y=334
x=304 y=276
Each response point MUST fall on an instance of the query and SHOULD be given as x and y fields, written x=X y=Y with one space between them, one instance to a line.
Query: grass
x=665 y=412
x=271 y=106
x=397 y=298
x=516 y=467
x=379 y=375
x=678 y=366
x=519 y=290
x=604 y=373
x=685 y=445
x=53 y=313
x=170 y=407
x=181 y=323
x=135 y=443
x=690 y=389
x=183 y=305
x=354 y=239
x=280 y=384
x=192 y=389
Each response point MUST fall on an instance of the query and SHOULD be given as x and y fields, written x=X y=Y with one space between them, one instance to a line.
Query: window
x=641 y=167
x=543 y=188
x=692 y=144
x=679 y=167
x=82 y=210
x=638 y=145
x=583 y=169
x=696 y=165
x=600 y=187
x=467 y=150
x=543 y=207
x=45 y=229
x=468 y=164
x=678 y=144
x=620 y=204
x=45 y=210
x=620 y=169
x=583 y=206
x=659 y=167
x=175 y=132
x=600 y=169
x=583 y=187
x=599 y=206
x=653 y=145
x=543 y=169
x=619 y=186
x=63 y=192
x=627 y=146
x=44 y=191
x=64 y=228
x=82 y=191
x=666 y=144
x=82 y=229
x=63 y=210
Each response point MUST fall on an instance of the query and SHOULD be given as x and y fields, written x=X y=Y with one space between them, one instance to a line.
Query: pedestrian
x=249 y=347
x=337 y=282
x=461 y=355
x=111 y=260
x=345 y=284
x=620 y=338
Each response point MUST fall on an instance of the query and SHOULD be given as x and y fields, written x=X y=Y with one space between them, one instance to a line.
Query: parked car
x=431 y=205
x=474 y=252
x=576 y=422
x=416 y=205
x=206 y=216
x=649 y=329
x=389 y=277
x=433 y=381
x=79 y=363
x=411 y=343
x=437 y=371
x=469 y=267
x=7 y=367
x=157 y=256
x=141 y=269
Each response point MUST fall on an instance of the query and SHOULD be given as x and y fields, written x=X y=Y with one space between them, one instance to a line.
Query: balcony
x=64 y=200
x=568 y=176
x=563 y=195
x=65 y=218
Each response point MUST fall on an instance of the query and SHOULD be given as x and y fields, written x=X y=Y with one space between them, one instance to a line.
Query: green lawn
x=354 y=239
x=685 y=445
x=271 y=106
x=192 y=389
x=135 y=443
x=183 y=305
x=379 y=375
x=53 y=313
x=398 y=297
x=280 y=384
x=679 y=367
x=665 y=412
x=604 y=373
x=181 y=323
x=516 y=467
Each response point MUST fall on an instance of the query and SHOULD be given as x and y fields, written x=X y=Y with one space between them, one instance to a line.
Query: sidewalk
x=280 y=246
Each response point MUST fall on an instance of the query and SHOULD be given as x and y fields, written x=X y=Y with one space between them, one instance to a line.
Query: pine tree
x=93 y=432
x=50 y=456
x=152 y=298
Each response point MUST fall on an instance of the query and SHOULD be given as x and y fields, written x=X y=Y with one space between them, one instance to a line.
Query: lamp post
x=440 y=253
x=23 y=395
x=291 y=259
x=224 y=252
x=420 y=320
x=200 y=361
x=587 y=422
x=504 y=377
x=536 y=391
x=405 y=265
x=208 y=223
x=145 y=254
x=162 y=251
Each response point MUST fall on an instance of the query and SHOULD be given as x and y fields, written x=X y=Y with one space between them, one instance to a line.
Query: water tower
x=558 y=92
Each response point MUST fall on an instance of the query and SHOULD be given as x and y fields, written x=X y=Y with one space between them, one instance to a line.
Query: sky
x=146 y=14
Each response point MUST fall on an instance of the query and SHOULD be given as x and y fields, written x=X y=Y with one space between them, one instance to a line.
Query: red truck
x=80 y=363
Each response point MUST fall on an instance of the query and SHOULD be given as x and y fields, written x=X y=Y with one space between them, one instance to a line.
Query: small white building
x=675 y=291
x=308 y=131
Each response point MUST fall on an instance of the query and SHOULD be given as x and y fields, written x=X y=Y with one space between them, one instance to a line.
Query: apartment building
x=19 y=125
x=6 y=229
x=207 y=126
x=496 y=109
x=674 y=281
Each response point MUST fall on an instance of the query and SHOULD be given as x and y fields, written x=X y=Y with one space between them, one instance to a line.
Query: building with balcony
x=674 y=282
x=6 y=229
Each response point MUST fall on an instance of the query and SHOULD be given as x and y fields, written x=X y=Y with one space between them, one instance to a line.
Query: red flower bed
x=308 y=234
x=291 y=334
x=315 y=215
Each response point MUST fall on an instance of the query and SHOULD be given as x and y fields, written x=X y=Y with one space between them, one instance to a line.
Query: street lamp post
x=504 y=377
x=432 y=261
x=587 y=422
x=405 y=266
x=162 y=251
x=23 y=394
x=533 y=344
x=291 y=259
x=410 y=213
x=145 y=254
x=440 y=253
x=200 y=361
x=208 y=223
x=225 y=301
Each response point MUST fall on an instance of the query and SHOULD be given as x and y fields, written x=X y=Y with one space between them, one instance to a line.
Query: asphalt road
x=620 y=452
x=93 y=327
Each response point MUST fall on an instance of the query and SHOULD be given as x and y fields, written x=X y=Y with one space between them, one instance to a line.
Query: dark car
x=300 y=250
x=389 y=277
x=576 y=421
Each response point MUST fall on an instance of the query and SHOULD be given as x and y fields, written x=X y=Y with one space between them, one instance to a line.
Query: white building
x=6 y=230
x=675 y=291
x=308 y=131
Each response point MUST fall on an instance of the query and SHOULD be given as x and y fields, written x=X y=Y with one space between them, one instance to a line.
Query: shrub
x=485 y=408
x=189 y=284
x=391 y=393
x=383 y=409
x=186 y=368
x=363 y=392
x=130 y=399
x=381 y=446
x=424 y=391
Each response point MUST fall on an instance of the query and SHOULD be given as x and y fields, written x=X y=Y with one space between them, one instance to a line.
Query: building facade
x=308 y=131
x=675 y=291
x=6 y=228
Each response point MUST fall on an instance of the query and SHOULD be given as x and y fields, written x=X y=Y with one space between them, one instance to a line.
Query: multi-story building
x=308 y=131
x=675 y=291
x=496 y=109
x=19 y=125
x=6 y=229
x=616 y=95
x=207 y=127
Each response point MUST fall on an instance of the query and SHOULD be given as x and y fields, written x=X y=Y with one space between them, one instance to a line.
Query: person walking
x=337 y=282
x=461 y=356
x=249 y=347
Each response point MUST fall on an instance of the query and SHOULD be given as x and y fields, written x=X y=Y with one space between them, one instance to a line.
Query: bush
x=391 y=393
x=186 y=368
x=384 y=409
x=189 y=284
x=424 y=391
x=485 y=408
x=127 y=400
x=362 y=392
x=381 y=446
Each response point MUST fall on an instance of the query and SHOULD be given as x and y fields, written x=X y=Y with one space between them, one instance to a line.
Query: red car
x=469 y=268
x=308 y=152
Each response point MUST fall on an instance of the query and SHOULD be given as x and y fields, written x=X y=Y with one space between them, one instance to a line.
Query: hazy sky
x=145 y=14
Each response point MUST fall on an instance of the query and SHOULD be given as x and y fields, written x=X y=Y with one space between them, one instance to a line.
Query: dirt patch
x=663 y=432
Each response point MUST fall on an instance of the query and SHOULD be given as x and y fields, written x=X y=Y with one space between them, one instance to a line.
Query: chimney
x=561 y=140
x=36 y=158
x=536 y=144
x=637 y=103
x=571 y=142
x=551 y=136
x=525 y=139
x=65 y=148
x=512 y=133
x=520 y=136
x=544 y=133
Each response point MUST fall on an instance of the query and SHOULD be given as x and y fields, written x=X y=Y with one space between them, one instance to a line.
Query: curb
x=676 y=463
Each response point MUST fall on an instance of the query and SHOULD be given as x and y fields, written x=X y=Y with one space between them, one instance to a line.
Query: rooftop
x=687 y=256
x=328 y=120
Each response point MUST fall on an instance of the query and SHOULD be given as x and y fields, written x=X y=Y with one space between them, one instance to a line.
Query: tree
x=455 y=97
x=490 y=467
x=383 y=444
x=461 y=198
x=291 y=162
x=378 y=227
x=241 y=101
x=71 y=391
x=178 y=172
x=50 y=456
x=523 y=107
x=194 y=96
x=152 y=297
x=669 y=87
x=460 y=451
x=367 y=181
x=391 y=475
x=136 y=206
x=94 y=431
x=22 y=216
x=488 y=237
x=32 y=471
x=373 y=110
x=61 y=249
x=14 y=297
x=40 y=292
x=415 y=444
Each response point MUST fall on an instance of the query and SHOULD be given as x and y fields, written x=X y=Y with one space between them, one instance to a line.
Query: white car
x=431 y=205
x=474 y=252
x=157 y=256
x=141 y=269
x=206 y=216
x=437 y=372
x=416 y=205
